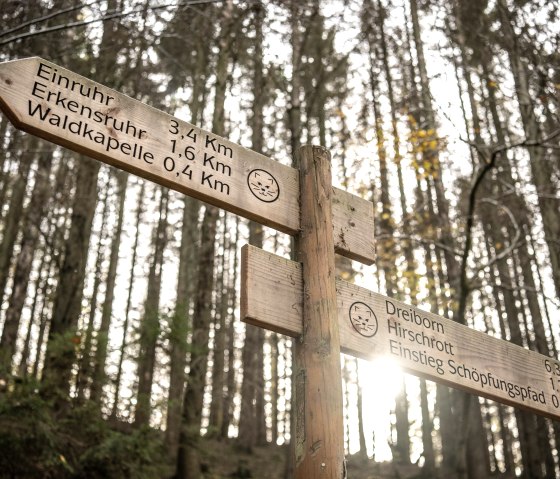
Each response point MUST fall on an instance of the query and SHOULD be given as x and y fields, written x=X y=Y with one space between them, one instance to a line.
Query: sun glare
x=381 y=380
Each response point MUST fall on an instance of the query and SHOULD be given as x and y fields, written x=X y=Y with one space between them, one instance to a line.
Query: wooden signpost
x=301 y=301
x=372 y=325
x=70 y=110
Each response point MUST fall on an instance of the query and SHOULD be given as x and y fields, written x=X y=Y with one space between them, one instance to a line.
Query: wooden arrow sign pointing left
x=70 y=110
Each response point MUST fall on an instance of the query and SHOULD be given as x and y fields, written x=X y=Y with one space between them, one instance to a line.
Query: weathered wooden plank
x=425 y=344
x=68 y=109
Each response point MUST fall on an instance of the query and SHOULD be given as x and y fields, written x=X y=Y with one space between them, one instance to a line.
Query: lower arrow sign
x=422 y=343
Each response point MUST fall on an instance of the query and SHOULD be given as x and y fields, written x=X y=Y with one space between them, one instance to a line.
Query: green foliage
x=37 y=443
x=137 y=455
x=30 y=443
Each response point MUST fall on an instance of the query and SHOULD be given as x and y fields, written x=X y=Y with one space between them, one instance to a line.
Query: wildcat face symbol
x=363 y=319
x=263 y=186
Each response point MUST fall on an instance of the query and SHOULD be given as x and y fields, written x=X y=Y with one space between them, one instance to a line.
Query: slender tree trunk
x=230 y=381
x=31 y=224
x=150 y=325
x=180 y=324
x=188 y=465
x=122 y=349
x=38 y=298
x=219 y=350
x=186 y=279
x=99 y=377
x=85 y=367
x=15 y=210
x=251 y=419
x=61 y=347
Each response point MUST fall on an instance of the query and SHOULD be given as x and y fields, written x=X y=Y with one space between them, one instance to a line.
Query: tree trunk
x=99 y=377
x=85 y=367
x=150 y=325
x=61 y=347
x=118 y=378
x=180 y=324
x=230 y=381
x=188 y=466
x=15 y=209
x=219 y=350
x=188 y=251
x=30 y=227
x=38 y=299
x=188 y=462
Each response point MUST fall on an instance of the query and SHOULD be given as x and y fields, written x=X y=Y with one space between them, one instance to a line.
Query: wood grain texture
x=436 y=348
x=58 y=105
x=319 y=435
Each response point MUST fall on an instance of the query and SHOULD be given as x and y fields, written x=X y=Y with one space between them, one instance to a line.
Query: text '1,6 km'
x=422 y=343
x=56 y=104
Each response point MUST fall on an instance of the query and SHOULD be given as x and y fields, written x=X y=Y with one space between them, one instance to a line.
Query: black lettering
x=54 y=119
x=225 y=150
x=42 y=69
x=206 y=178
x=60 y=100
x=98 y=117
x=210 y=142
x=36 y=89
x=148 y=156
x=73 y=106
x=208 y=159
x=214 y=184
x=387 y=303
x=39 y=108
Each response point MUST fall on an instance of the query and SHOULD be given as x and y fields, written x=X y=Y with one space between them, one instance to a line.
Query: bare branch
x=515 y=242
x=484 y=169
x=111 y=16
x=44 y=18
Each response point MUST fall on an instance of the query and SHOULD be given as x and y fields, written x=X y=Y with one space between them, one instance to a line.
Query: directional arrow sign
x=56 y=104
x=422 y=343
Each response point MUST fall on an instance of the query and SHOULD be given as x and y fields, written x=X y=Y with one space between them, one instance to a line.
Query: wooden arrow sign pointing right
x=68 y=109
x=424 y=344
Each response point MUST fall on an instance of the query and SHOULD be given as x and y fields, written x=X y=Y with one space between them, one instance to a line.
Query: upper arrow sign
x=56 y=104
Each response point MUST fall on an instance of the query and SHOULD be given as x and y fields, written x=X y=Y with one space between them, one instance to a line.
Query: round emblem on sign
x=363 y=319
x=263 y=185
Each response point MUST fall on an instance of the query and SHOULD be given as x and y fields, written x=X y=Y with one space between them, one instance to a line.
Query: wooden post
x=318 y=435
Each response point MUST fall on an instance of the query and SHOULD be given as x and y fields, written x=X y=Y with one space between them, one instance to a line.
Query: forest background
x=121 y=350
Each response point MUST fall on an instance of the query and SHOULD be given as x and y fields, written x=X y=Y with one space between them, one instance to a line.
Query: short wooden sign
x=372 y=325
x=70 y=110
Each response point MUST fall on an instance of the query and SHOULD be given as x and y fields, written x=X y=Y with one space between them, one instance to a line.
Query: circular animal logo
x=363 y=319
x=263 y=186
